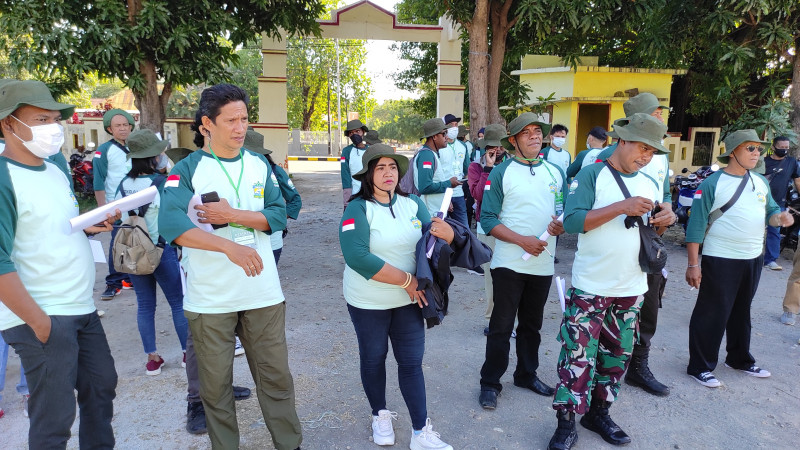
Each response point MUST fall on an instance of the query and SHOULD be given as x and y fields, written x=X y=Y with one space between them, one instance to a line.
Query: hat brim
x=434 y=133
x=402 y=165
x=725 y=158
x=178 y=153
x=373 y=142
x=65 y=109
x=626 y=135
x=260 y=150
x=154 y=150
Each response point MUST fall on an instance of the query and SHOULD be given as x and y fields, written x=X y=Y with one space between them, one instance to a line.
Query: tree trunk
x=312 y=102
x=794 y=97
x=478 y=30
x=500 y=27
x=152 y=106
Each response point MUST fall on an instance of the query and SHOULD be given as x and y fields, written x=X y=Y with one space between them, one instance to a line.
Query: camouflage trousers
x=597 y=336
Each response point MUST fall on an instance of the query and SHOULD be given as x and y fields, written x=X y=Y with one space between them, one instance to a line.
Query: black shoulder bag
x=652 y=253
x=717 y=213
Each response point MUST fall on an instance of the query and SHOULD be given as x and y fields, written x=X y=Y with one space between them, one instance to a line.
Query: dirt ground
x=150 y=411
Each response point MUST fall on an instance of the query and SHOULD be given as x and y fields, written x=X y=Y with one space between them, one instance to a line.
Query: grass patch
x=86 y=204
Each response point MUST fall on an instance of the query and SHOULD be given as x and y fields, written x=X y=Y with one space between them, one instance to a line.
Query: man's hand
x=635 y=206
x=693 y=277
x=782 y=219
x=665 y=217
x=454 y=182
x=215 y=213
x=555 y=227
x=532 y=245
x=106 y=225
x=42 y=331
x=245 y=257
x=490 y=157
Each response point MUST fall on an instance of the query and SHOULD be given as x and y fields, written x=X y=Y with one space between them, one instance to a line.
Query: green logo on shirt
x=762 y=197
x=417 y=224
x=553 y=187
x=258 y=190
x=74 y=200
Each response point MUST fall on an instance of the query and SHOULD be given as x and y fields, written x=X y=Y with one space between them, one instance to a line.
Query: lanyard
x=230 y=180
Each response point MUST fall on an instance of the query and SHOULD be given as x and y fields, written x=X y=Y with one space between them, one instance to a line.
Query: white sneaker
x=382 y=429
x=773 y=266
x=428 y=439
x=787 y=318
x=753 y=371
x=238 y=350
x=707 y=379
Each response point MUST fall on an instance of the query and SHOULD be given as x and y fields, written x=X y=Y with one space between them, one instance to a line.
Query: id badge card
x=243 y=235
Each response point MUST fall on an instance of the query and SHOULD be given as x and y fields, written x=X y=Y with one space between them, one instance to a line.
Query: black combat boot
x=598 y=420
x=639 y=375
x=566 y=435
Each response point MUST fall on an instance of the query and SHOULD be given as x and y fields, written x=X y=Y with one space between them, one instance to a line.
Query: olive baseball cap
x=643 y=128
x=145 y=144
x=432 y=127
x=736 y=139
x=372 y=137
x=254 y=141
x=354 y=125
x=644 y=103
x=522 y=121
x=16 y=93
x=493 y=135
x=378 y=151
x=117 y=112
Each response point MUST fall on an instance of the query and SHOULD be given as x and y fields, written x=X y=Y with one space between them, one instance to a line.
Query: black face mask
x=780 y=153
x=356 y=139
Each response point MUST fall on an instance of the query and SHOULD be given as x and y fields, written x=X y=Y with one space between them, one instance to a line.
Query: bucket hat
x=378 y=151
x=644 y=103
x=145 y=144
x=432 y=127
x=178 y=153
x=254 y=141
x=15 y=94
x=522 y=121
x=462 y=131
x=117 y=112
x=372 y=137
x=642 y=128
x=493 y=135
x=354 y=125
x=736 y=139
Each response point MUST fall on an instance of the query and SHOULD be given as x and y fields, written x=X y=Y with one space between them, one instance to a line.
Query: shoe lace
x=428 y=433
x=385 y=420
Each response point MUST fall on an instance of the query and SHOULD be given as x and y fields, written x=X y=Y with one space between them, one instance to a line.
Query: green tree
x=146 y=44
x=398 y=120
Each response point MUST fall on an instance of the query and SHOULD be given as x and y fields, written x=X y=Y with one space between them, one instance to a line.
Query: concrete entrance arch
x=360 y=20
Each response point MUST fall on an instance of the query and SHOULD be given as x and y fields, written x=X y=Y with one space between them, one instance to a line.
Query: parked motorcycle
x=683 y=188
x=82 y=175
x=789 y=234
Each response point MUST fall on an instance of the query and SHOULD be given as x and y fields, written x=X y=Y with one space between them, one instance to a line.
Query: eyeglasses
x=443 y=133
x=752 y=148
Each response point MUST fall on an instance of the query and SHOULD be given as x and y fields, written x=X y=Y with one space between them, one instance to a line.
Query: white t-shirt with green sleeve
x=110 y=165
x=430 y=179
x=523 y=202
x=55 y=266
x=739 y=232
x=373 y=234
x=607 y=260
x=658 y=169
x=134 y=185
x=214 y=284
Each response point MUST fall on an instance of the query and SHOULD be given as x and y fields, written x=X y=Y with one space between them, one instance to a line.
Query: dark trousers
x=404 y=326
x=277 y=255
x=648 y=317
x=723 y=306
x=192 y=374
x=523 y=296
x=470 y=203
x=75 y=357
x=459 y=212
x=114 y=278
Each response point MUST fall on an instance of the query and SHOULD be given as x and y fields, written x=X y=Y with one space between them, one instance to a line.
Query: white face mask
x=559 y=141
x=46 y=141
x=452 y=133
x=162 y=162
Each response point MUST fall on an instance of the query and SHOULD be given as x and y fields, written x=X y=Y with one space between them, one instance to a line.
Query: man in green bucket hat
x=522 y=199
x=430 y=179
x=109 y=166
x=607 y=281
x=639 y=373
x=729 y=212
x=351 y=158
x=47 y=312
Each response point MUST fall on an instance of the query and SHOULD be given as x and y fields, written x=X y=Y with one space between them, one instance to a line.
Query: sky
x=383 y=62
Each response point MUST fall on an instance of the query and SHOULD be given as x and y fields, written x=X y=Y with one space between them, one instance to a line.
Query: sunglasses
x=752 y=148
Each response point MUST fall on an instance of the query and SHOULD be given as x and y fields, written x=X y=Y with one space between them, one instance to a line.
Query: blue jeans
x=75 y=358
x=459 y=210
x=773 y=247
x=277 y=255
x=405 y=327
x=22 y=387
x=114 y=278
x=168 y=276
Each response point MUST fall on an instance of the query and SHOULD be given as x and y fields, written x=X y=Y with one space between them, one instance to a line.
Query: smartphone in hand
x=212 y=197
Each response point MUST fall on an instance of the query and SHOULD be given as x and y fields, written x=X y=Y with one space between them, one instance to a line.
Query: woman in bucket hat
x=351 y=157
x=379 y=232
x=145 y=148
x=728 y=274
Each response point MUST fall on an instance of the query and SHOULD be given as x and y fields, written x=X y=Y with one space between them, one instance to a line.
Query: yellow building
x=590 y=95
